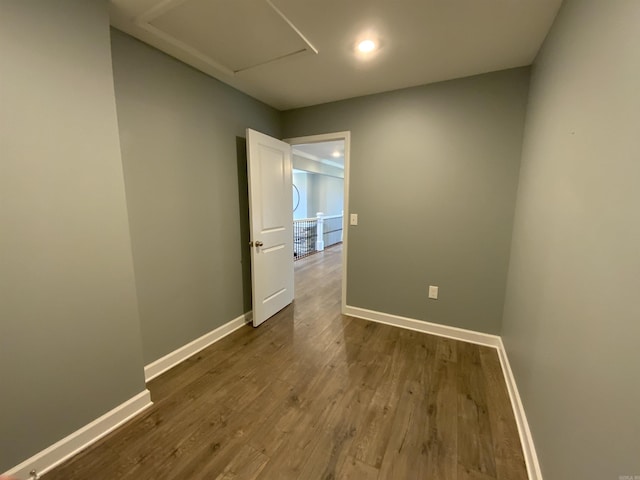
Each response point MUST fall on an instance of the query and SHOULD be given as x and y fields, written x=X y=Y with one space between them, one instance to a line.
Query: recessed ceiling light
x=366 y=46
x=335 y=154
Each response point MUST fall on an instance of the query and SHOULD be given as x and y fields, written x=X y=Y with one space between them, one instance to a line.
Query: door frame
x=327 y=137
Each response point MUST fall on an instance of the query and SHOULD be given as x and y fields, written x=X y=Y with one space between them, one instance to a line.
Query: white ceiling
x=267 y=48
x=329 y=153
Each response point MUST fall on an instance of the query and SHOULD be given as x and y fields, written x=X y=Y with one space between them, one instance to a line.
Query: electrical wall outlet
x=433 y=292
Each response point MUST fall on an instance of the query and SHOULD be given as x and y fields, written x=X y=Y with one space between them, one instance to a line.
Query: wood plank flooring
x=312 y=394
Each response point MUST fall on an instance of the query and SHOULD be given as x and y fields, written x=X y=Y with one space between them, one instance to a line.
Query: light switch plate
x=353 y=219
x=433 y=292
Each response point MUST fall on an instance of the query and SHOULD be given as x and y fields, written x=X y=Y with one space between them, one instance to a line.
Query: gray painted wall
x=318 y=193
x=183 y=149
x=434 y=173
x=572 y=316
x=300 y=180
x=69 y=332
x=326 y=195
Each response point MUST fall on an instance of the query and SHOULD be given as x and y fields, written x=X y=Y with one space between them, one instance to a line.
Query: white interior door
x=271 y=224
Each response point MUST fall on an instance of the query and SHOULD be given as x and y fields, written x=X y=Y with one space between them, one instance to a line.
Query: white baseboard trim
x=485 y=339
x=425 y=327
x=528 y=447
x=170 y=360
x=64 y=449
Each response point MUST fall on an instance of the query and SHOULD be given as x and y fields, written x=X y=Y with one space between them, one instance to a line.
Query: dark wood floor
x=312 y=394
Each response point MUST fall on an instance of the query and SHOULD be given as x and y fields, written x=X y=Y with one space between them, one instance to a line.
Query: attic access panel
x=232 y=35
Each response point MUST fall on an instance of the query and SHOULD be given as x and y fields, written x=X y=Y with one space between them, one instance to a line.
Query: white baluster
x=320 y=232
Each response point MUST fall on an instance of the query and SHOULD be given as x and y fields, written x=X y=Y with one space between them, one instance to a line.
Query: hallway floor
x=312 y=394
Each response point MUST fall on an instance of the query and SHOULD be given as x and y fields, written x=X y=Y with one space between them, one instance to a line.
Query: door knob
x=259 y=243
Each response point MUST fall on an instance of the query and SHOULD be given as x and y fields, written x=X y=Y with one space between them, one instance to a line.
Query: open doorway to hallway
x=320 y=185
x=318 y=196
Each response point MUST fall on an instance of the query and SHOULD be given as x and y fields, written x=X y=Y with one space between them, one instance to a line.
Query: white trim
x=170 y=360
x=143 y=21
x=70 y=445
x=307 y=155
x=315 y=158
x=332 y=163
x=315 y=219
x=494 y=341
x=425 y=327
x=528 y=447
x=346 y=137
x=295 y=29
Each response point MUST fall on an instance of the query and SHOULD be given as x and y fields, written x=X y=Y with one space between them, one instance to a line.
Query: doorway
x=318 y=196
x=320 y=174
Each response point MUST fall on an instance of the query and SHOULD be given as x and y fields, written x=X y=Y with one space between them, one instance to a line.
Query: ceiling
x=294 y=53
x=329 y=153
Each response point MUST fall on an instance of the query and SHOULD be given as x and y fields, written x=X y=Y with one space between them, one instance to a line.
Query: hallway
x=312 y=394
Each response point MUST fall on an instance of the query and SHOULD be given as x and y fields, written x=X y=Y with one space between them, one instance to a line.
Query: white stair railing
x=311 y=235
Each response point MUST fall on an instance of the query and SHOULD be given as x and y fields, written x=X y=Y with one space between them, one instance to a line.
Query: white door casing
x=270 y=223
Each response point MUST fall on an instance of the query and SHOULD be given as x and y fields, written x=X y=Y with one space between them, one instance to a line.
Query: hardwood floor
x=312 y=394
